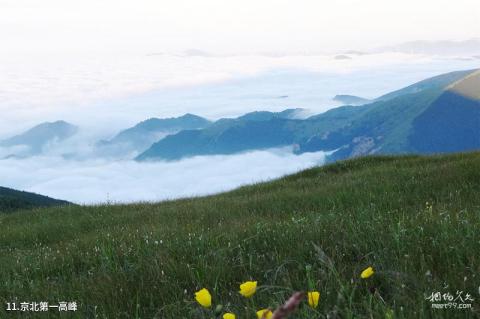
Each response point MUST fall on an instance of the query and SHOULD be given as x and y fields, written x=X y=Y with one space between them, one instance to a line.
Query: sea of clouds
x=101 y=181
x=104 y=94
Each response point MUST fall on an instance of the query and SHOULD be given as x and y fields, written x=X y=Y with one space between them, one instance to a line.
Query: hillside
x=392 y=124
x=413 y=219
x=424 y=118
x=11 y=200
x=452 y=122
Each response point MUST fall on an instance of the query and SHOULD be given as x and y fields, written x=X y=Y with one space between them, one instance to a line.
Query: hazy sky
x=230 y=26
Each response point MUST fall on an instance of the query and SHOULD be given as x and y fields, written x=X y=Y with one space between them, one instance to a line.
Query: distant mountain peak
x=444 y=47
x=267 y=115
x=54 y=124
x=190 y=115
x=58 y=122
x=42 y=134
x=141 y=136
x=350 y=99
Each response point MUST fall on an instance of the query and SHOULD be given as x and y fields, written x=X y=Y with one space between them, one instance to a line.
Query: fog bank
x=100 y=181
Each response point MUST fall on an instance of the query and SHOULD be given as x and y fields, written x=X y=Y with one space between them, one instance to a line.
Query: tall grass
x=314 y=230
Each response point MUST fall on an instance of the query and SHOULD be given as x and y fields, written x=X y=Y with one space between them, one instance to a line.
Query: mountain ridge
x=142 y=135
x=383 y=126
x=351 y=99
x=37 y=137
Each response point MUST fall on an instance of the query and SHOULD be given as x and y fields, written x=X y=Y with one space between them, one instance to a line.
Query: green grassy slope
x=146 y=260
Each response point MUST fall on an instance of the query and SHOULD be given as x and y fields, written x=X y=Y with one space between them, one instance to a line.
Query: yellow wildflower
x=367 y=273
x=248 y=288
x=204 y=298
x=229 y=315
x=313 y=298
x=264 y=314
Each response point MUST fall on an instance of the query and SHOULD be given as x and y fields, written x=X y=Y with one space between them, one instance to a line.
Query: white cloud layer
x=120 y=90
x=99 y=181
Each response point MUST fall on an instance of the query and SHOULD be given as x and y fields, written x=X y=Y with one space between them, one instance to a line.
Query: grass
x=315 y=230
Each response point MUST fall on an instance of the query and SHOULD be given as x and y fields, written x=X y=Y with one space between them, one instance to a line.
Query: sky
x=229 y=26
